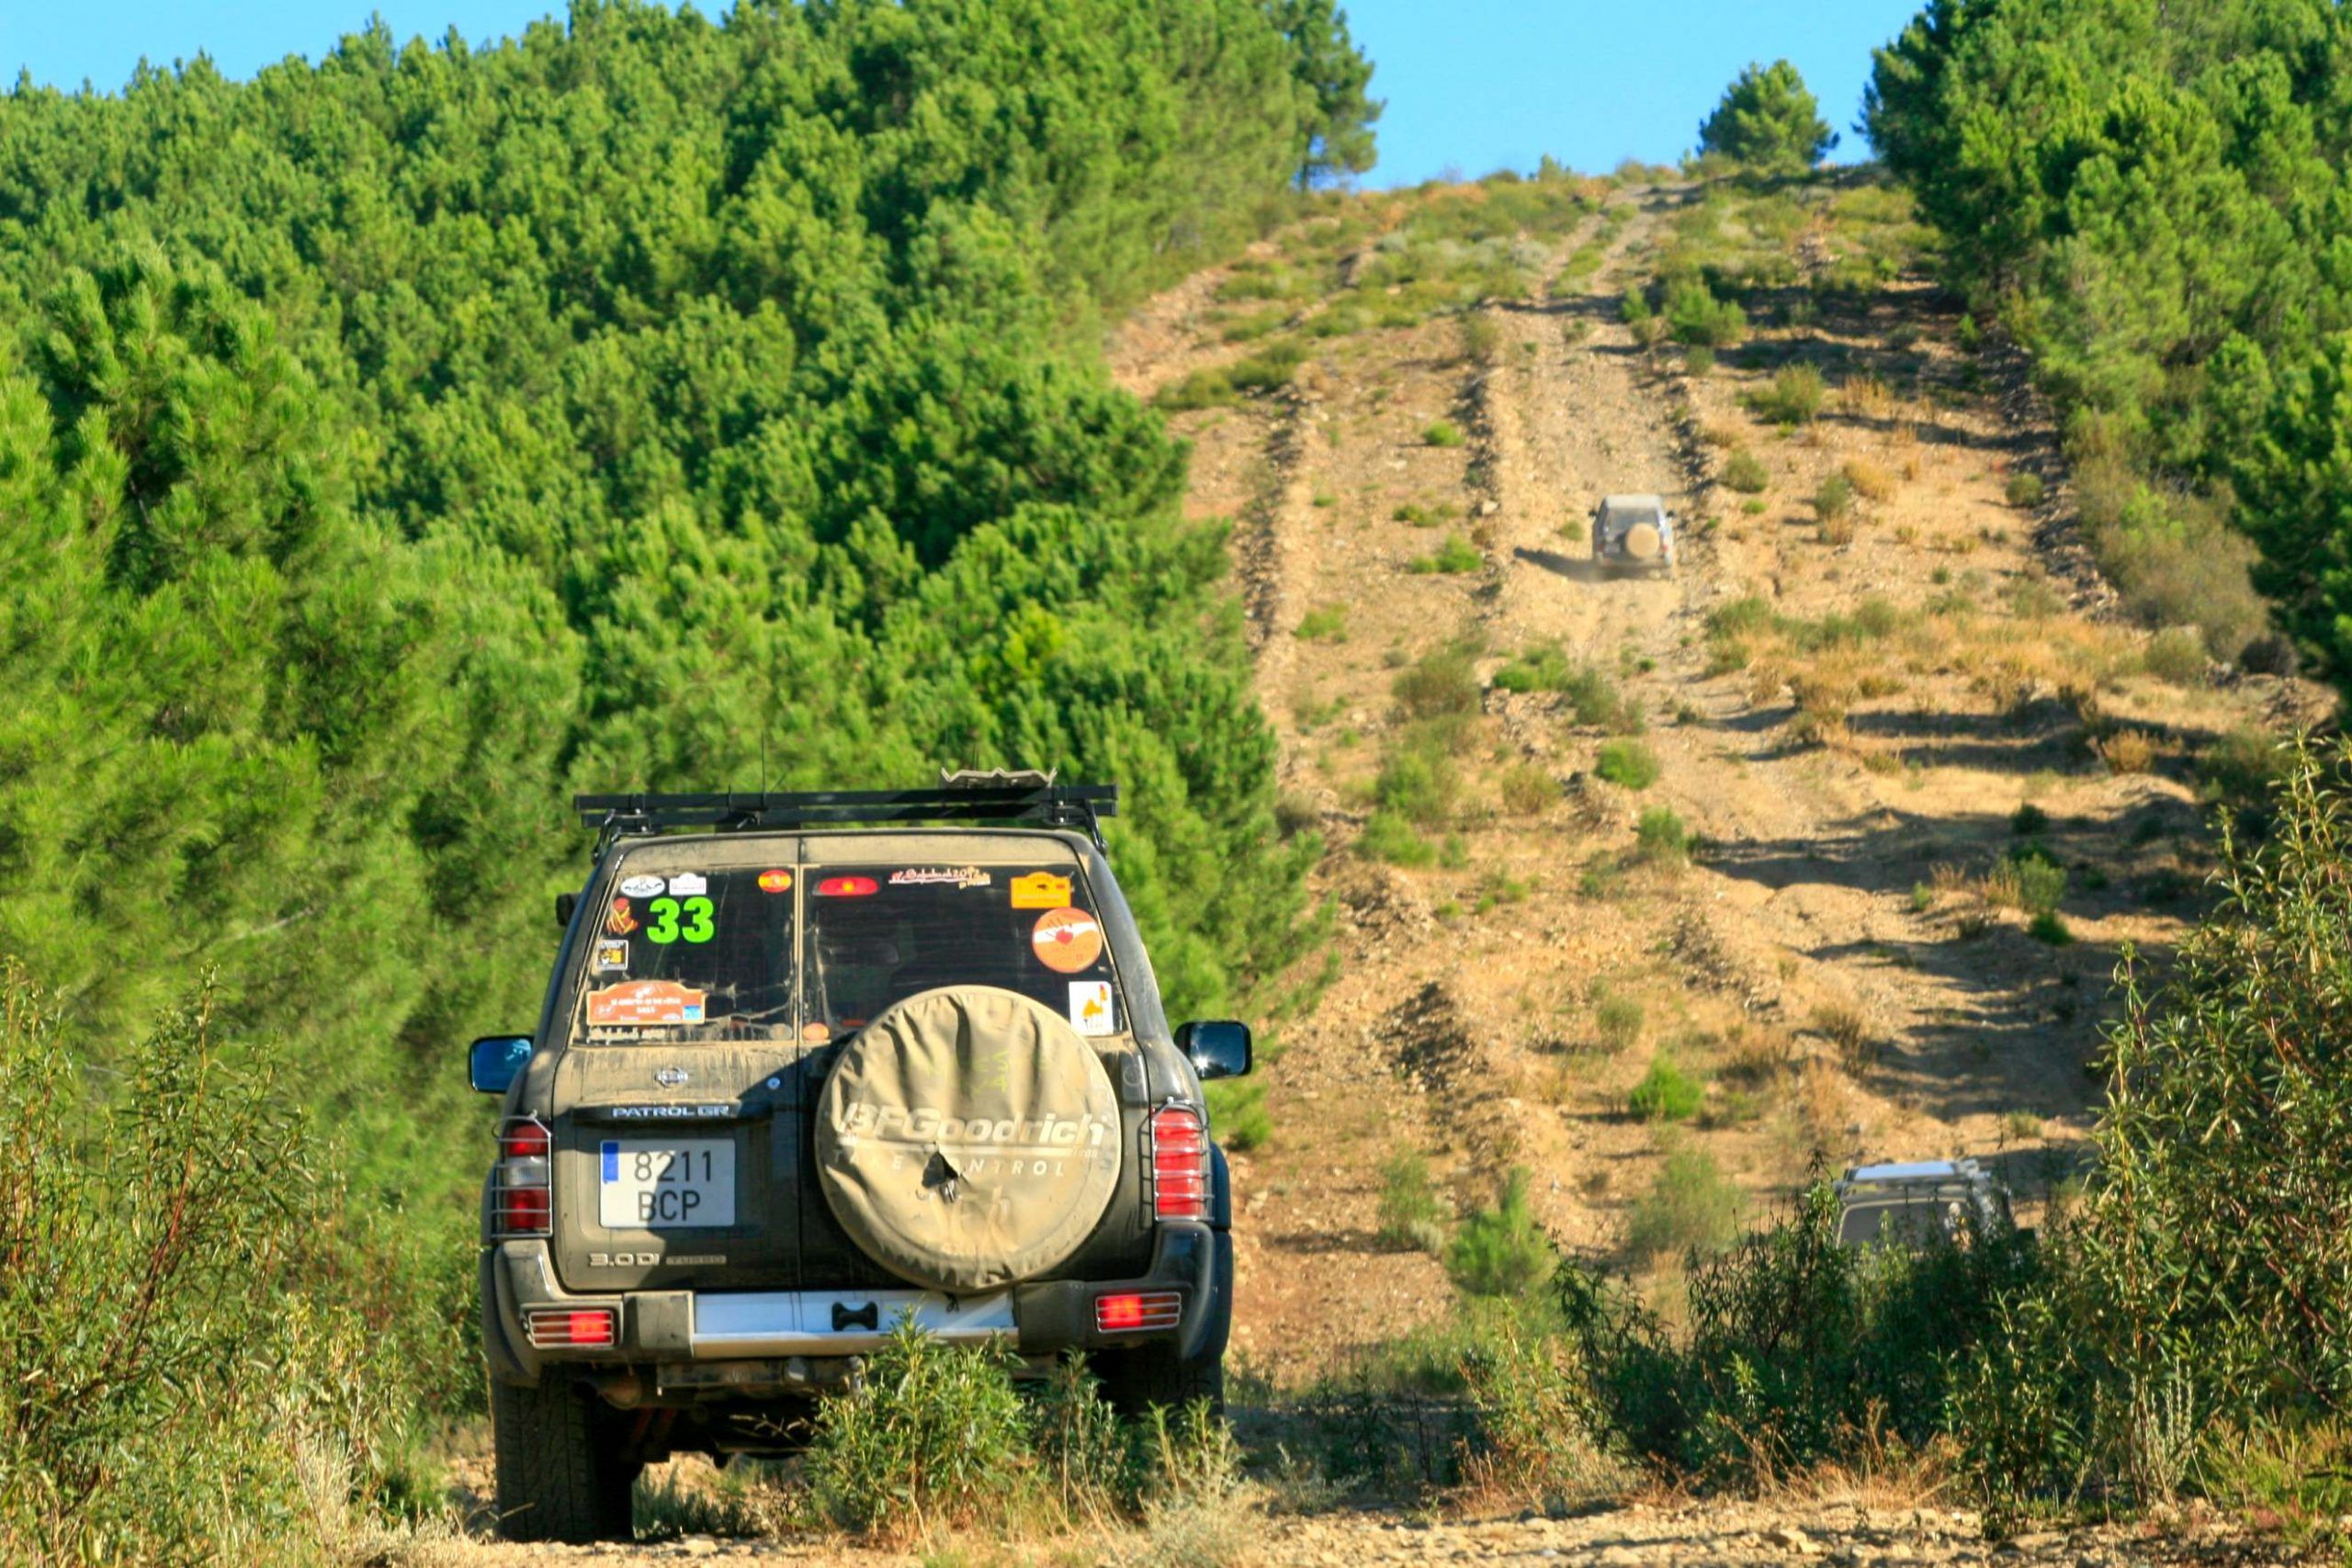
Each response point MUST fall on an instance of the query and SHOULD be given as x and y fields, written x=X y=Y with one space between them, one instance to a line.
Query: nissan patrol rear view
x=809 y=1065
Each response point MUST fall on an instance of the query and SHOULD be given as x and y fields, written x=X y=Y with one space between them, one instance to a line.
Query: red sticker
x=641 y=1003
x=847 y=888
x=1067 y=941
x=776 y=881
x=620 y=922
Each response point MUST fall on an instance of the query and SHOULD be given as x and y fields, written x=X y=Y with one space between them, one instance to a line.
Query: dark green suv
x=813 y=1064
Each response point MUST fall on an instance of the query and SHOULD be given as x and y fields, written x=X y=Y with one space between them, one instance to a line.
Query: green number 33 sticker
x=666 y=912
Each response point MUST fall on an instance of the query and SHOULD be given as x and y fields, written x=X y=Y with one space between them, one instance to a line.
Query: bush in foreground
x=155 y=1412
x=936 y=1436
x=2206 y=1285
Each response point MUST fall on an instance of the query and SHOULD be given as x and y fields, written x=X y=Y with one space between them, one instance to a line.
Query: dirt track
x=1462 y=1020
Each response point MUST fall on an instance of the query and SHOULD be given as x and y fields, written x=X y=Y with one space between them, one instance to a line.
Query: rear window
x=692 y=956
x=879 y=934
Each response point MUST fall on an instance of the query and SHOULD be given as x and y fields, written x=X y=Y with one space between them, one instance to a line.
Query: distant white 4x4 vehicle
x=1633 y=531
x=1908 y=1204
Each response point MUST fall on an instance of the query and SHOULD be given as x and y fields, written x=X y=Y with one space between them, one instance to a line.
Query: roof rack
x=1029 y=798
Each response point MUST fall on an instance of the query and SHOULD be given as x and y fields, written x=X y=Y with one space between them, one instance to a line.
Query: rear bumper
x=672 y=1327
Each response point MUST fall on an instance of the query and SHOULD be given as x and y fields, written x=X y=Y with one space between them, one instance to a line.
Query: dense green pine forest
x=392 y=446
x=2153 y=200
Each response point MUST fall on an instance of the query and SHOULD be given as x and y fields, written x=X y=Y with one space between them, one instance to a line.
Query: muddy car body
x=1633 y=532
x=795 y=1081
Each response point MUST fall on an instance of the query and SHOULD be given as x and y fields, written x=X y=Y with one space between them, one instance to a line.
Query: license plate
x=666 y=1186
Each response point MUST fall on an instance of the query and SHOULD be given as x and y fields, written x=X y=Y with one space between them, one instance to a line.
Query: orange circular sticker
x=1067 y=941
x=776 y=881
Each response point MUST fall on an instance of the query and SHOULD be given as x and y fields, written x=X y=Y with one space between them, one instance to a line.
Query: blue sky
x=1471 y=85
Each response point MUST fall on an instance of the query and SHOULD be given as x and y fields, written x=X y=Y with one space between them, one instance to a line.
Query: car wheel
x=1134 y=1381
x=563 y=1475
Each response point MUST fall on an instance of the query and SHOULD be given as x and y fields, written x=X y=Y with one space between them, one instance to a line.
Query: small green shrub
x=2041 y=880
x=1500 y=1251
x=1440 y=684
x=2024 y=490
x=1745 y=471
x=1694 y=316
x=2049 y=926
x=1793 y=397
x=1699 y=360
x=1481 y=336
x=1527 y=789
x=1326 y=623
x=1666 y=1093
x=1390 y=837
x=1420 y=784
x=1627 y=763
x=1270 y=368
x=1411 y=1212
x=1208 y=388
x=1692 y=1206
x=1661 y=838
x=1834 y=499
x=1633 y=308
x=1443 y=432
x=2175 y=654
x=1618 y=1021
x=1453 y=557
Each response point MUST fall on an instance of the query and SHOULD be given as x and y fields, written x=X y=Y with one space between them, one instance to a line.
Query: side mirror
x=496 y=1061
x=564 y=904
x=1219 y=1050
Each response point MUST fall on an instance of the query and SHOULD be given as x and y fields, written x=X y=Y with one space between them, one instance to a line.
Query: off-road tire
x=562 y=1475
x=1134 y=1381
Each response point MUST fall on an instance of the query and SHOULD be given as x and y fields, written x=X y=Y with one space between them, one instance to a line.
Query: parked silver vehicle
x=1633 y=531
x=1906 y=1203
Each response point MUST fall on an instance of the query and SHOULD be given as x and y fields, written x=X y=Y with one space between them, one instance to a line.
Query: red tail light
x=1180 y=1163
x=1138 y=1310
x=523 y=1138
x=566 y=1325
x=519 y=1203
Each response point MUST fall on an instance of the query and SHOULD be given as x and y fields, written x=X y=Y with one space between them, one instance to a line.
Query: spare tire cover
x=968 y=1139
x=1641 y=541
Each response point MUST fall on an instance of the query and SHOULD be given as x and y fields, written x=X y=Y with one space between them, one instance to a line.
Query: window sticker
x=1040 y=890
x=847 y=888
x=1089 y=1007
x=641 y=886
x=612 y=955
x=666 y=914
x=1067 y=941
x=688 y=883
x=962 y=876
x=775 y=882
x=643 y=1004
x=618 y=921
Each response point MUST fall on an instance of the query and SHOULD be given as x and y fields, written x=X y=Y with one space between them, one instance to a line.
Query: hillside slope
x=1887 y=729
